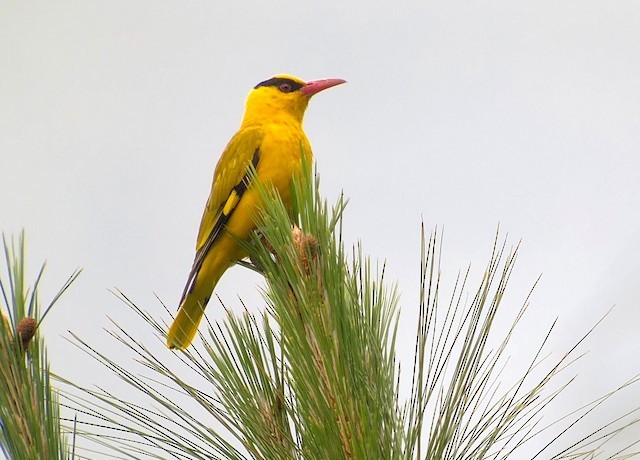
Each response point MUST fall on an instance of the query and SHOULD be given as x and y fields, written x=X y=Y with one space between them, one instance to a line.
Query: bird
x=270 y=141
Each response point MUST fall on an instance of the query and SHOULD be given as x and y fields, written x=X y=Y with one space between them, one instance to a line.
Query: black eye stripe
x=277 y=81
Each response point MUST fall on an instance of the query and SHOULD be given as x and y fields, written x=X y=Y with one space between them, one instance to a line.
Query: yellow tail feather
x=185 y=326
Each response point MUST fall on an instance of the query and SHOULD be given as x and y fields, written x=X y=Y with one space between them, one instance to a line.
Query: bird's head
x=283 y=96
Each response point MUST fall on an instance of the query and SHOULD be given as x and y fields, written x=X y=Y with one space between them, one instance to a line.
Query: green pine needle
x=315 y=374
x=29 y=410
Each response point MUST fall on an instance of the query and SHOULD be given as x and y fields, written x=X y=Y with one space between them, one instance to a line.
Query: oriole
x=272 y=140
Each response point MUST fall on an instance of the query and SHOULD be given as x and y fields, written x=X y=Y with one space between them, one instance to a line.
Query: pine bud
x=26 y=330
x=307 y=247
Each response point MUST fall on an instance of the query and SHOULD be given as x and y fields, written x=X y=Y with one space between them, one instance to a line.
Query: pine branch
x=29 y=411
x=315 y=374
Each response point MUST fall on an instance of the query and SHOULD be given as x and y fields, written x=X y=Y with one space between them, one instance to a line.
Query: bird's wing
x=230 y=180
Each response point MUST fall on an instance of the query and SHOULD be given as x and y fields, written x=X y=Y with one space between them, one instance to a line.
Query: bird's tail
x=203 y=278
x=185 y=325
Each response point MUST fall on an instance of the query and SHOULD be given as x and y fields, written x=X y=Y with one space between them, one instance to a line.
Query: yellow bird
x=272 y=140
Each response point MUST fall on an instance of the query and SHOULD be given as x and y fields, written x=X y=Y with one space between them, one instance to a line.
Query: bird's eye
x=285 y=87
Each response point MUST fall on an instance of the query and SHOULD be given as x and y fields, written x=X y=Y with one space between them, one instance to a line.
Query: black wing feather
x=201 y=254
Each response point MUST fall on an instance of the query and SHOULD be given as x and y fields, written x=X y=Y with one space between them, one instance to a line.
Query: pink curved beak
x=315 y=86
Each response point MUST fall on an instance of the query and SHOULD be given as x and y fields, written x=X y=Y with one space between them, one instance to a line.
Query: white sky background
x=464 y=114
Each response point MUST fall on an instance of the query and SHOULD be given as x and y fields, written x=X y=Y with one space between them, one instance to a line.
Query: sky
x=463 y=114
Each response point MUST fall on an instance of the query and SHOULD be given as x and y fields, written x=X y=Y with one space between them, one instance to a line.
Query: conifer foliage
x=314 y=372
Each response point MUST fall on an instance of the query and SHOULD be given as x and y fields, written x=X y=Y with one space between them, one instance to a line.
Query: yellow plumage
x=271 y=138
